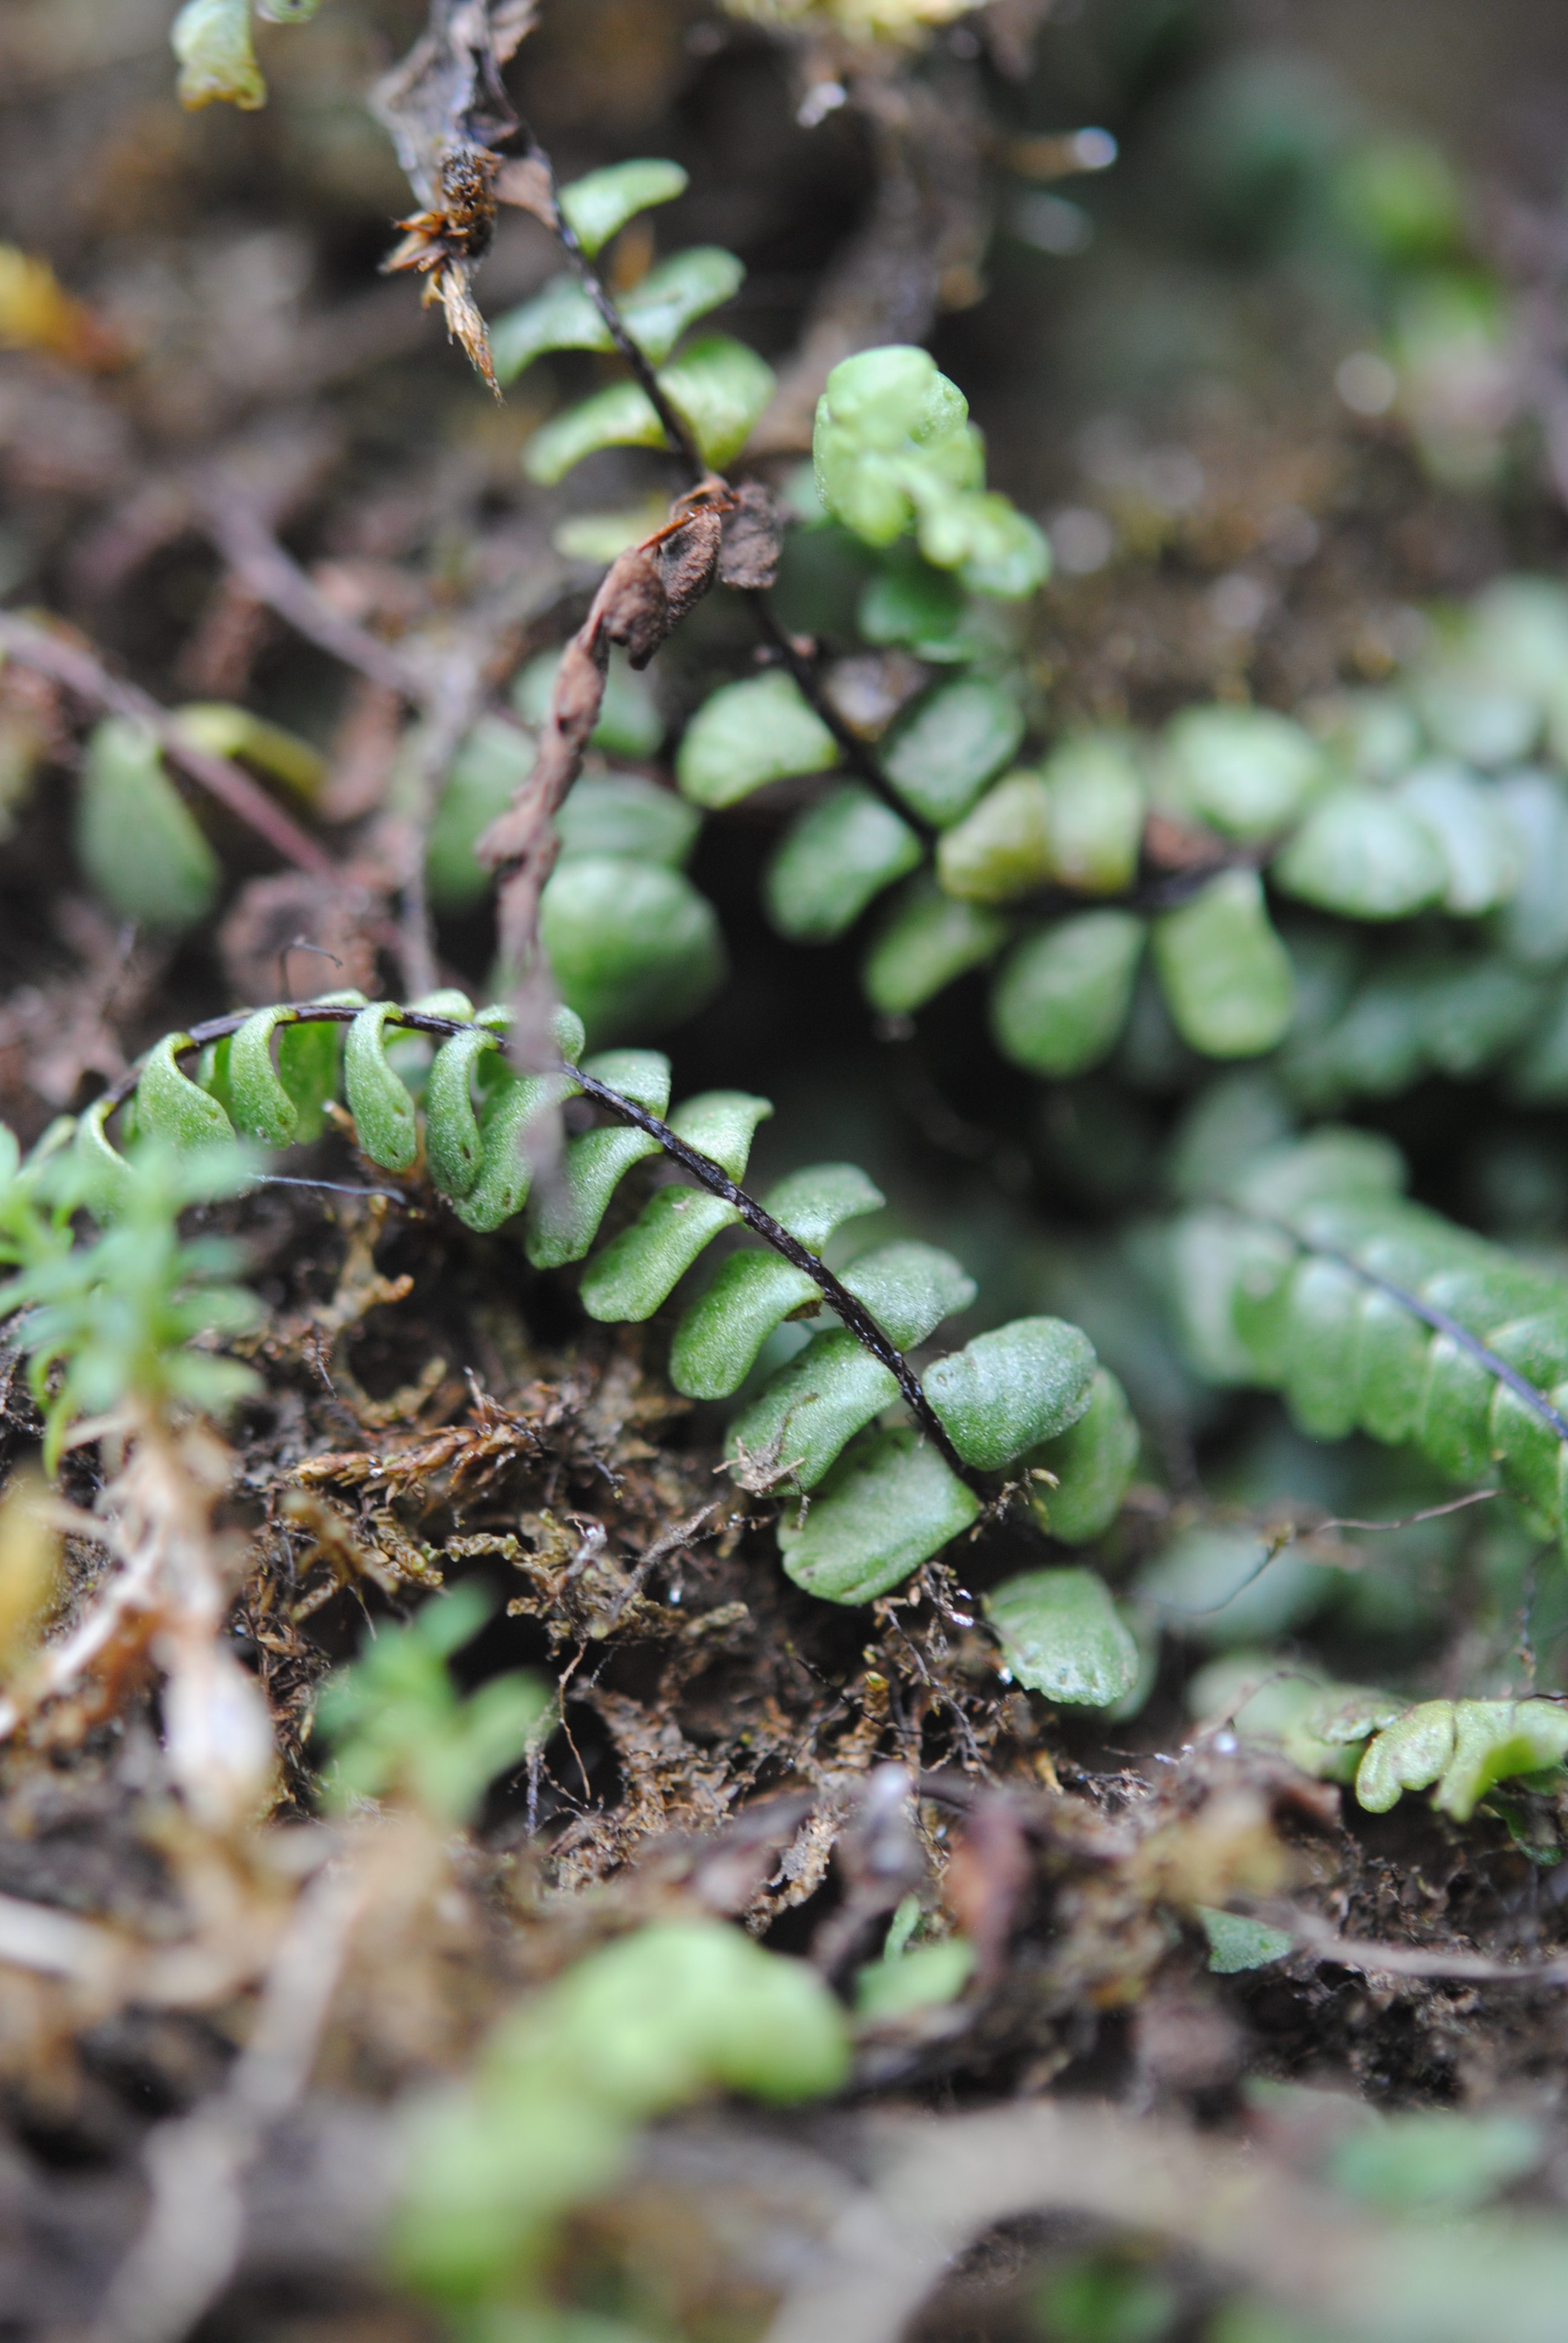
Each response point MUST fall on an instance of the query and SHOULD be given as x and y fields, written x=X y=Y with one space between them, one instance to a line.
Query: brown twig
x=645 y=592
x=1373 y=1959
x=255 y=556
x=936 y=2186
x=81 y=671
x=194 y=2227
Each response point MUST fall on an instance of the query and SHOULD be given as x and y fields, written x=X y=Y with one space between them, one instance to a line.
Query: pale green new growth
x=400 y=1727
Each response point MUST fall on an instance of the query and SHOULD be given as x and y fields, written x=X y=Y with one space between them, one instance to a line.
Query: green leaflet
x=137 y=839
x=676 y=293
x=1077 y=822
x=670 y=2012
x=170 y=1106
x=560 y=318
x=513 y=1114
x=642 y=1267
x=720 y=389
x=927 y=941
x=563 y=1223
x=828 y=1392
x=494 y=760
x=834 y=1387
x=1098 y=801
x=996 y=549
x=632 y=944
x=887 y=417
x=747 y=734
x=1003 y=849
x=1007 y=1390
x=1244 y=771
x=920 y=1978
x=620 y=415
x=1210 y=1585
x=833 y=861
x=1494 y=1740
x=1410 y=1755
x=1063 y=1636
x=1457 y=1749
x=453 y=1146
x=893 y=449
x=626 y=816
x=383 y=1119
x=1533 y=925
x=717 y=1341
x=638 y=1269
x=1435 y=2160
x=941 y=756
x=1062 y=995
x=107 y=1180
x=1362 y=855
x=1236 y=1942
x=889 y=1505
x=1093 y=1463
x=308 y=1060
x=909 y=1289
x=908 y=601
x=1226 y=975
x=1482 y=850
x=1476 y=720
x=262 y=1108
x=600 y=205
x=717 y=386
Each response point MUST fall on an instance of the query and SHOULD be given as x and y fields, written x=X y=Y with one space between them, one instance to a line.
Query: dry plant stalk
x=167 y=1602
x=644 y=595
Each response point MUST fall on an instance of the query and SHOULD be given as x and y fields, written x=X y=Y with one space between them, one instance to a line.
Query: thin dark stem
x=676 y=430
x=1430 y=1316
x=857 y=754
x=854 y=1313
x=702 y=1169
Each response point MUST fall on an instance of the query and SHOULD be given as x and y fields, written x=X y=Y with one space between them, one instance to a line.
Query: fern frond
x=1317 y=1278
x=885 y=1500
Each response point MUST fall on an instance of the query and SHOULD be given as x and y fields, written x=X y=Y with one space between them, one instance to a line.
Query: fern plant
x=717 y=386
x=1316 y=1277
x=882 y=1499
x=1385 y=1744
x=1377 y=810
